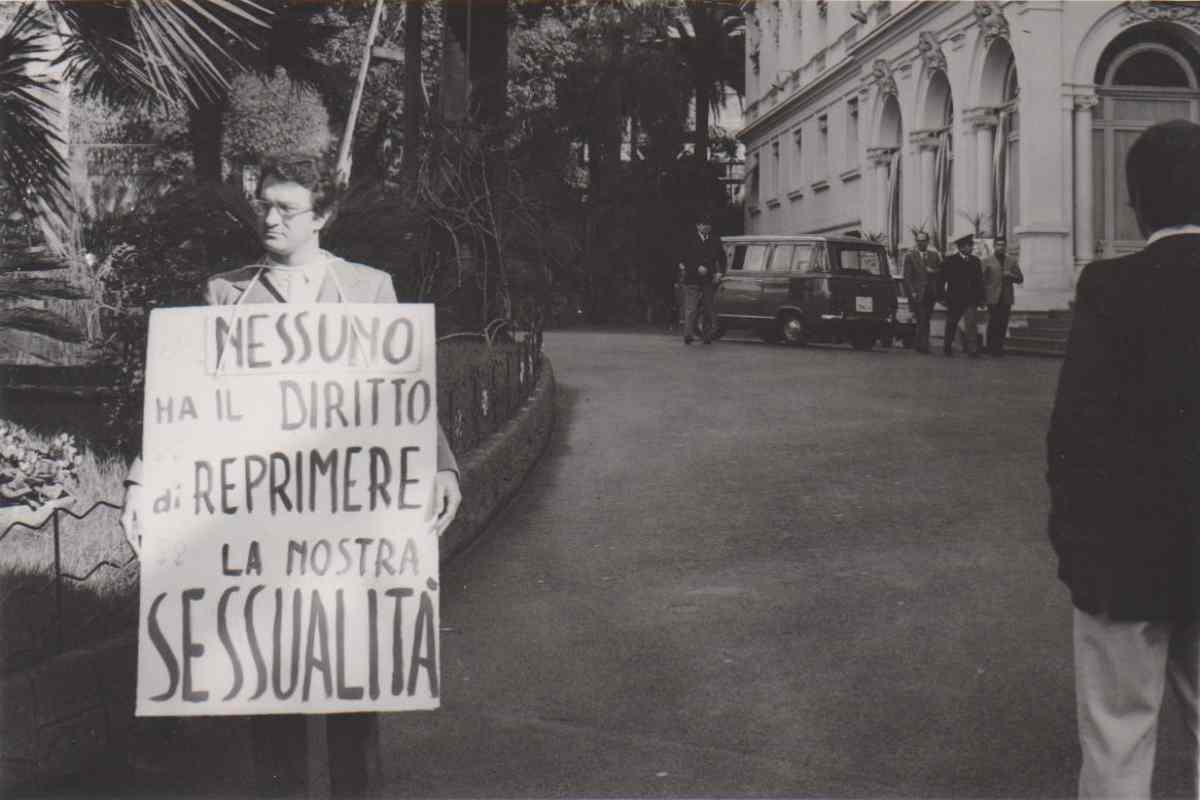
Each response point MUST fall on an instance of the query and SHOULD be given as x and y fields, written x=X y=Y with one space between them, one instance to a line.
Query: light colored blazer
x=998 y=279
x=358 y=284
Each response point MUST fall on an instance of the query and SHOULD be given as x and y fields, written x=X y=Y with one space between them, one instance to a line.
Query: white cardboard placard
x=288 y=563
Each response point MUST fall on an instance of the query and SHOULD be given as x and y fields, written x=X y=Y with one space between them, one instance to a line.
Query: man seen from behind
x=1124 y=472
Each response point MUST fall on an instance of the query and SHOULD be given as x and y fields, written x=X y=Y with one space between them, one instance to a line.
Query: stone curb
x=73 y=711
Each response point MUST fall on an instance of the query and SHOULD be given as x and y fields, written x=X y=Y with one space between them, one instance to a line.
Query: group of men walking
x=963 y=283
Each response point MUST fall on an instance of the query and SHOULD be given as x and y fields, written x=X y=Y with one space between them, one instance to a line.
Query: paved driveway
x=751 y=570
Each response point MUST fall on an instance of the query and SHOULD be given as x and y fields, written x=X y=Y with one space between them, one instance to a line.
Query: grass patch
x=104 y=599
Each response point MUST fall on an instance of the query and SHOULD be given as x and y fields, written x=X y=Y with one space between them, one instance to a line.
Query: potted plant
x=34 y=479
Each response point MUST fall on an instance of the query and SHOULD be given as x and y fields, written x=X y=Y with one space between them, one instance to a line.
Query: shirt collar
x=1173 y=230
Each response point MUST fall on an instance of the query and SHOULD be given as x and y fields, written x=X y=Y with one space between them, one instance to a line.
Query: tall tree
x=31 y=160
x=129 y=52
x=292 y=43
x=414 y=92
x=475 y=62
x=710 y=35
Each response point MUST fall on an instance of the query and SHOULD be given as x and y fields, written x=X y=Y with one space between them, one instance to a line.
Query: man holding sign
x=258 y=594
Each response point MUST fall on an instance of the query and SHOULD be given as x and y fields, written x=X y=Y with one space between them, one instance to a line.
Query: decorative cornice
x=931 y=51
x=880 y=156
x=1143 y=11
x=881 y=74
x=1086 y=102
x=926 y=139
x=991 y=21
x=981 y=117
x=842 y=69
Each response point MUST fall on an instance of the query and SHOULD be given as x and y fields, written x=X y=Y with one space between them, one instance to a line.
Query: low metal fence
x=477 y=401
x=51 y=599
x=43 y=611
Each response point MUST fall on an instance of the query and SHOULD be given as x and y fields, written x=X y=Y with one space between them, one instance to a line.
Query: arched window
x=1011 y=133
x=1146 y=75
x=1150 y=67
x=939 y=116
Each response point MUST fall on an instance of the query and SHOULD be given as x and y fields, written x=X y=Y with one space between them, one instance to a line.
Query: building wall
x=810 y=63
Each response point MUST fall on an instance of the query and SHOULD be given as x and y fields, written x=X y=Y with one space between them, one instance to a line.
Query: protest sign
x=288 y=561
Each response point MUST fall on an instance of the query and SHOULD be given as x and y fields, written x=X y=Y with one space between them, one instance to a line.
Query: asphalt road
x=749 y=570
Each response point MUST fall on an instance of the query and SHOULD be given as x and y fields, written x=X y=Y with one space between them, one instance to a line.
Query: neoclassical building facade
x=886 y=117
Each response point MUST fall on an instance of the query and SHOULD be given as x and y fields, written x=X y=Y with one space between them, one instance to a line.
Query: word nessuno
x=310 y=341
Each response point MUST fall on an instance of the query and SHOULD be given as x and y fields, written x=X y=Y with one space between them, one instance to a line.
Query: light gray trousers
x=1121 y=672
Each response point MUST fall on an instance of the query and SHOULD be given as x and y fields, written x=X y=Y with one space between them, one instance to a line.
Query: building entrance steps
x=1035 y=333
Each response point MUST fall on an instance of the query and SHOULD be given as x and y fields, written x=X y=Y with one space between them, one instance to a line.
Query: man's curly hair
x=315 y=173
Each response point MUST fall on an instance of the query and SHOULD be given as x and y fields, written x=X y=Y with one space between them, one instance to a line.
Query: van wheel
x=791 y=329
x=718 y=330
x=862 y=340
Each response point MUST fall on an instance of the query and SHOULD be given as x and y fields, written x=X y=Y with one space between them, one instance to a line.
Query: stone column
x=985 y=121
x=1084 y=196
x=879 y=158
x=927 y=142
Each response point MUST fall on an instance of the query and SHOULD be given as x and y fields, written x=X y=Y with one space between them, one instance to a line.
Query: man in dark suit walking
x=922 y=274
x=1124 y=472
x=962 y=293
x=703 y=265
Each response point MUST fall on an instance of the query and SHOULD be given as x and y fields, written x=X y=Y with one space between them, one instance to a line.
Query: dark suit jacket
x=1124 y=442
x=708 y=254
x=962 y=280
x=922 y=272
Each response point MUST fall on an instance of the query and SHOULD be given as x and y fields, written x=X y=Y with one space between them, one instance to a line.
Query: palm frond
x=31 y=161
x=174 y=51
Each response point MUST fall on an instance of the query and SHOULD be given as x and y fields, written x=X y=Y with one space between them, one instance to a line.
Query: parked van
x=801 y=289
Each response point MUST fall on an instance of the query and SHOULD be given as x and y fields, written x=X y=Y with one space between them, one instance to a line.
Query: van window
x=802 y=257
x=750 y=257
x=736 y=256
x=819 y=261
x=781 y=259
x=868 y=261
x=756 y=258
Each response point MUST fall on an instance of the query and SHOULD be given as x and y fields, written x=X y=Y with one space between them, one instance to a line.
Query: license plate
x=864 y=304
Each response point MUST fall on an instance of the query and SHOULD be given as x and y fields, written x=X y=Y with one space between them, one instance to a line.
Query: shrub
x=31 y=474
x=160 y=258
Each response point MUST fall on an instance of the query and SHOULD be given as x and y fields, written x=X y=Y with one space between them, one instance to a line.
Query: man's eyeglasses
x=286 y=213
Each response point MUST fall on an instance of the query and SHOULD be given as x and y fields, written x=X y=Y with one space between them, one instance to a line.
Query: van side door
x=740 y=293
x=777 y=281
x=810 y=289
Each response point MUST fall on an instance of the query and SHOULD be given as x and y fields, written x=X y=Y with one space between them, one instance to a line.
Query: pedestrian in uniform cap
x=701 y=268
x=1000 y=272
x=1124 y=473
x=922 y=274
x=962 y=292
